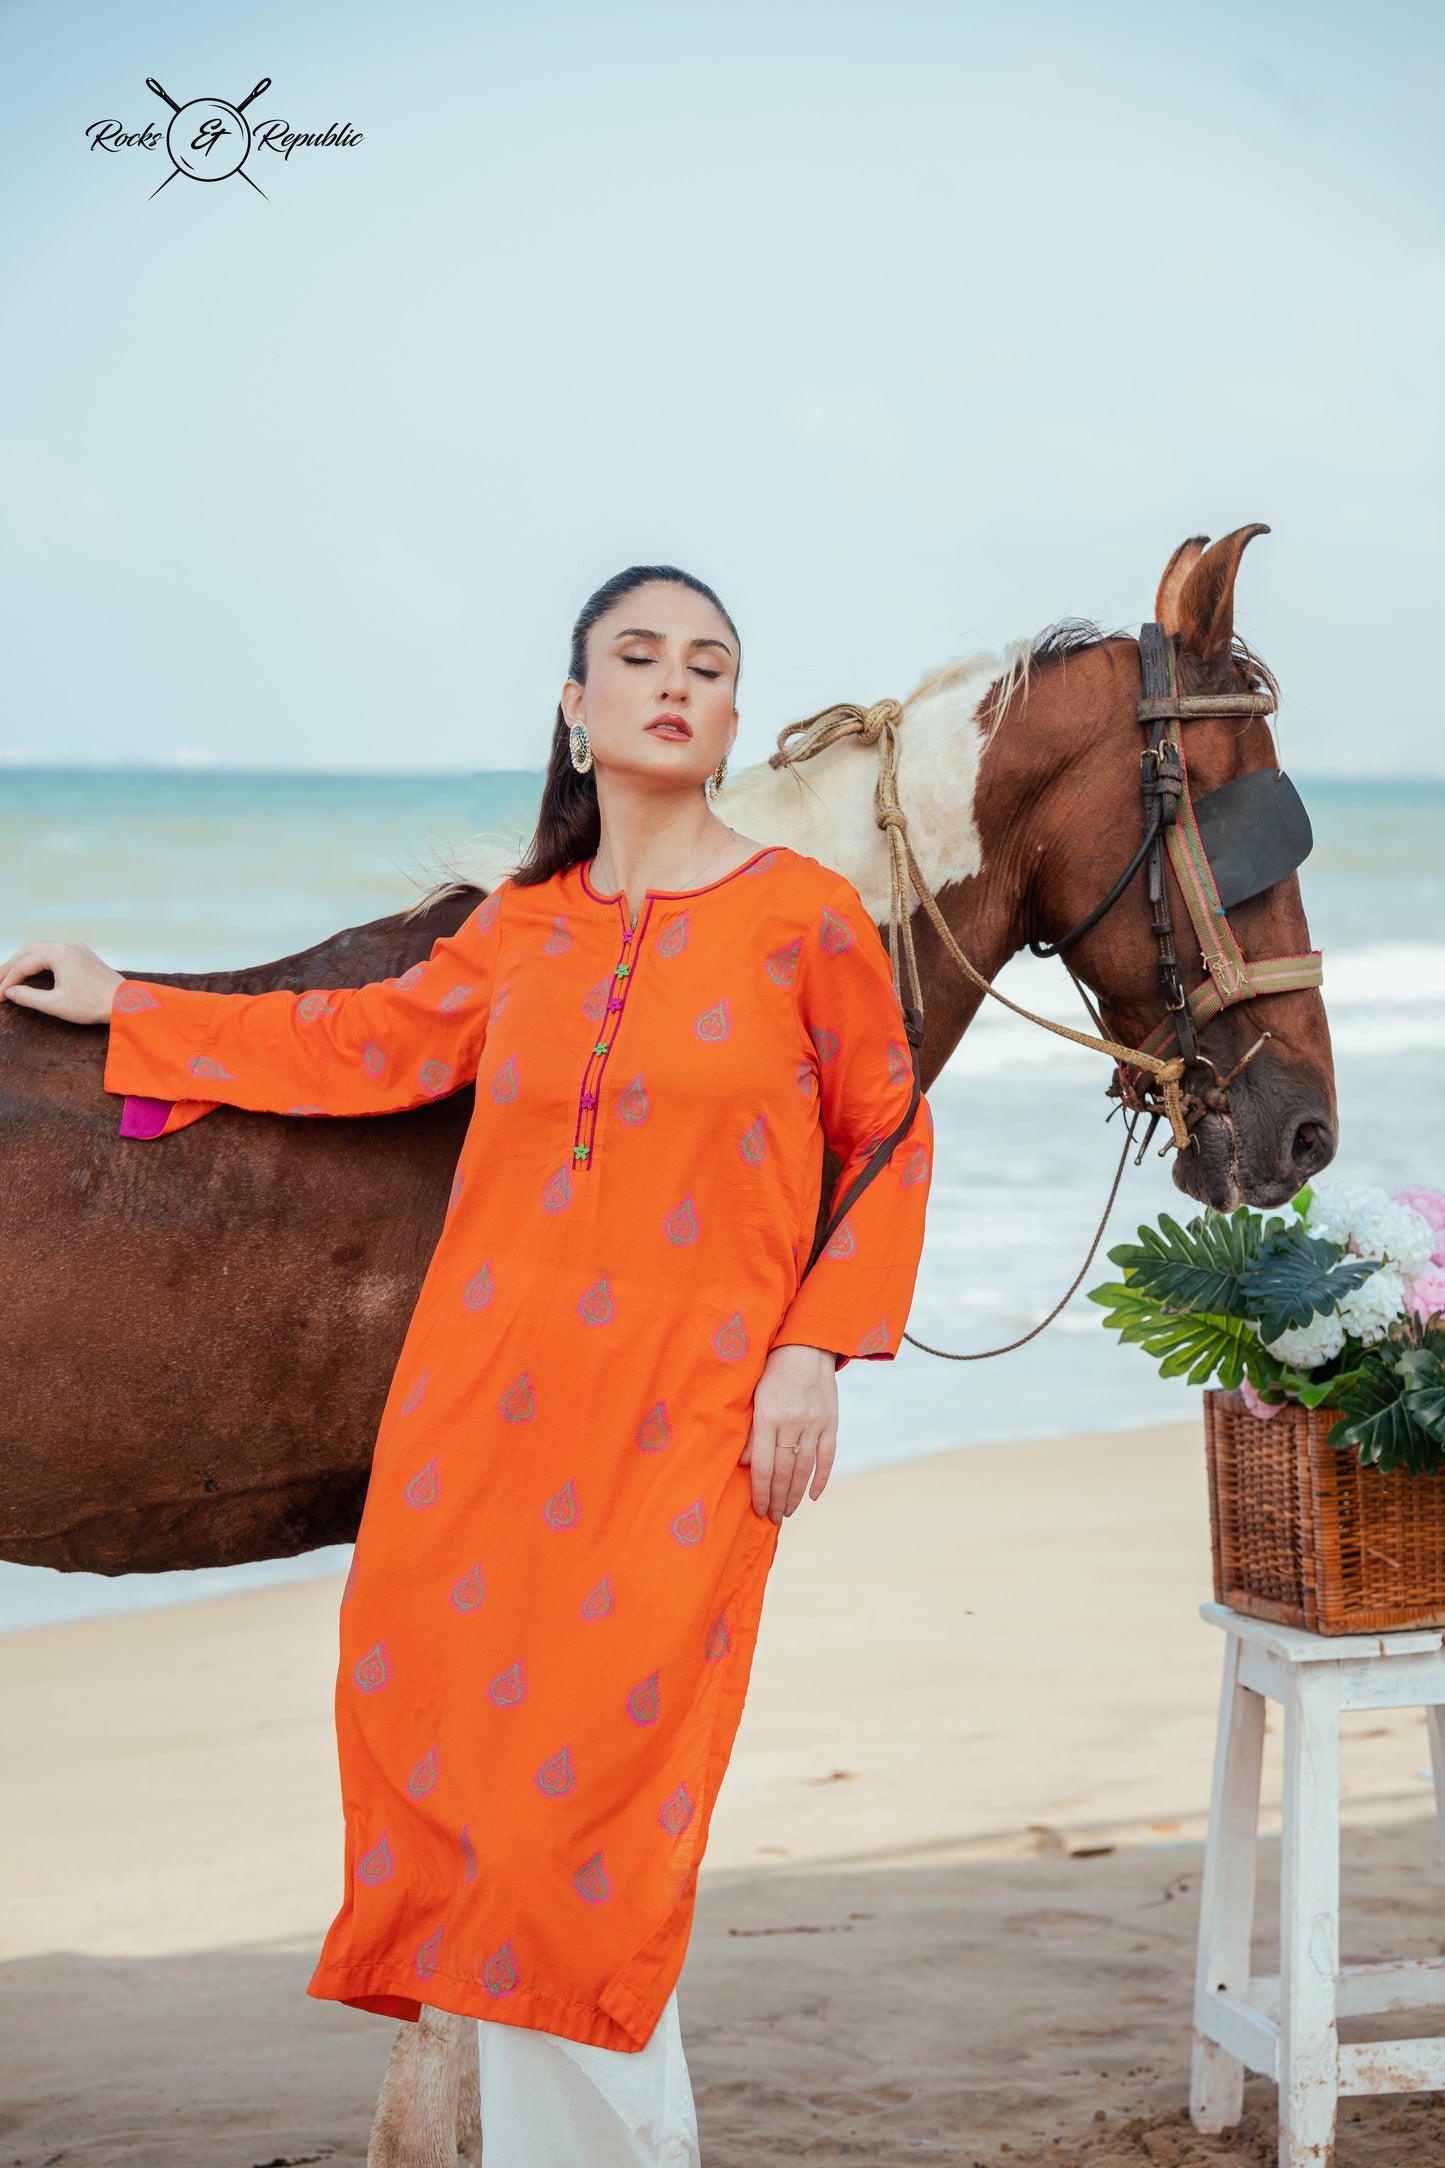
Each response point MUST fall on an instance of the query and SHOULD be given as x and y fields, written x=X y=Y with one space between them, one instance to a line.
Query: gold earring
x=715 y=781
x=580 y=746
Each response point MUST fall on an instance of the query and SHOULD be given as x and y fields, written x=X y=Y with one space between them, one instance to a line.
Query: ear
x=1205 y=606
x=1176 y=572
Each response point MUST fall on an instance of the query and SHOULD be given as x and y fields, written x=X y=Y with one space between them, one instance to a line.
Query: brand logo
x=209 y=139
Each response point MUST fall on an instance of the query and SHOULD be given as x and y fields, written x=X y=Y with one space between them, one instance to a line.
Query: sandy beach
x=949 y=1905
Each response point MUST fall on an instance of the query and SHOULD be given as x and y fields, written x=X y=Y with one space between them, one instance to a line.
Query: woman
x=617 y=1382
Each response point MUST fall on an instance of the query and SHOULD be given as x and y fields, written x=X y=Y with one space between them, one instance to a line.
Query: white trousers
x=554 y=2103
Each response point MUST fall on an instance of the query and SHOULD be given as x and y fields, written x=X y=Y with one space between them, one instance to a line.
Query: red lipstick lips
x=671 y=726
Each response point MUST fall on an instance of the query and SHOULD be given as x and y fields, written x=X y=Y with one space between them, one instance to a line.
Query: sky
x=910 y=328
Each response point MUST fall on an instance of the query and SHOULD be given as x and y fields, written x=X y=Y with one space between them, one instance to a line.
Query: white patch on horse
x=825 y=807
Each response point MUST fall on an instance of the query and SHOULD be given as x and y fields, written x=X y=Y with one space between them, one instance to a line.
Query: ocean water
x=196 y=871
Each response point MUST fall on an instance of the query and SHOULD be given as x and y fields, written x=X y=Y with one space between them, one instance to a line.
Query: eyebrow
x=640 y=632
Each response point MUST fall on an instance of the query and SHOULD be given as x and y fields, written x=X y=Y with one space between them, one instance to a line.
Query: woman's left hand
x=794 y=1432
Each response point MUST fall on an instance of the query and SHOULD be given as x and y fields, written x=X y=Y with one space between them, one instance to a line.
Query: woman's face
x=661 y=676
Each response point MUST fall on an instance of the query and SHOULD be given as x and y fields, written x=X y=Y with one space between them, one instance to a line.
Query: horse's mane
x=1069 y=636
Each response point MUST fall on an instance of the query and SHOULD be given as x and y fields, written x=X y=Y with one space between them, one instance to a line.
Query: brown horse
x=199 y=1333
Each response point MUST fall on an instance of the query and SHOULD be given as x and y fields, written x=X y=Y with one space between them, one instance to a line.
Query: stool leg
x=1309 y=1920
x=1226 y=1903
x=1435 y=1720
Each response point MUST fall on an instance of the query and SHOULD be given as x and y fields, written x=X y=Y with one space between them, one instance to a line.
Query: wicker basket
x=1305 y=1536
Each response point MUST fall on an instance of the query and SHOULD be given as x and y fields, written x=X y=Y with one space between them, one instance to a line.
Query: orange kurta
x=548 y=1628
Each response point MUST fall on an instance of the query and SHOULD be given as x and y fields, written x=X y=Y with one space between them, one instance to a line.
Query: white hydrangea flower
x=1372 y=1225
x=1306 y=1346
x=1369 y=1311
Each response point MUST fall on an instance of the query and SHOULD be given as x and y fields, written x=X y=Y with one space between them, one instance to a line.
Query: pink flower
x=1262 y=1408
x=1430 y=1204
x=1427 y=1294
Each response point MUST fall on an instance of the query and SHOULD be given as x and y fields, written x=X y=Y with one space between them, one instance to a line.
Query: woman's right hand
x=84 y=985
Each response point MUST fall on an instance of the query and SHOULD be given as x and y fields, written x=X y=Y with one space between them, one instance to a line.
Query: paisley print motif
x=836 y=934
x=730 y=1341
x=373 y=1670
x=594 y=1005
x=499 y=1973
x=900 y=1068
x=643 y=1702
x=417 y=1394
x=131 y=1000
x=455 y=998
x=631 y=1103
x=559 y=940
x=469 y=1591
x=591 y=1883
x=676 y=1811
x=556 y=1776
x=433 y=1077
x=558 y=1194
x=688 y=1526
x=412 y=976
x=509 y=1686
x=680 y=1224
x=765 y=864
x=373 y=1058
x=807 y=1079
x=203 y=1065
x=517 y=1404
x=560 y=1511
x=752 y=1144
x=487 y=912
x=719 y=1639
x=596 y=1307
x=454 y=1195
x=503 y=1086
x=654 y=1430
x=782 y=963
x=427 y=1955
x=914 y=1169
x=876 y=1341
x=306 y=1110
x=311 y=1006
x=469 y=1854
x=714 y=1023
x=598 y=1602
x=477 y=1294
x=377 y=1865
x=841 y=1244
x=424 y=1489
x=673 y=938
x=827 y=1044
x=423 y=1778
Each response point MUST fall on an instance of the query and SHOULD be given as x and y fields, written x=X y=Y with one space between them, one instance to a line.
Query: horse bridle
x=1257 y=823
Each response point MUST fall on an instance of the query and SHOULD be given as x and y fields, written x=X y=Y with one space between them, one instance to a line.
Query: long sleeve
x=855 y=1300
x=351 y=1050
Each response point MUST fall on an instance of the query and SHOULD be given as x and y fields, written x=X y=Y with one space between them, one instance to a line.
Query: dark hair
x=568 y=824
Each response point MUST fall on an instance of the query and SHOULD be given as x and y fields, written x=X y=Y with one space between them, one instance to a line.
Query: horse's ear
x=1176 y=572
x=1205 y=603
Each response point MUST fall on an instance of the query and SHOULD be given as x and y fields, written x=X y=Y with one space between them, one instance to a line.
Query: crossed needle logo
x=208 y=140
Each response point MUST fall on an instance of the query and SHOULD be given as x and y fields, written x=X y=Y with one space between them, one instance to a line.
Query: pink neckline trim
x=667 y=895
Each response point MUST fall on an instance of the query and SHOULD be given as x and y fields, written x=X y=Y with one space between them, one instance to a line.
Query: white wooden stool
x=1286 y=2026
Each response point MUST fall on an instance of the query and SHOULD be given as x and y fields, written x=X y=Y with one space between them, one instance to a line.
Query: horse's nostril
x=1313 y=1146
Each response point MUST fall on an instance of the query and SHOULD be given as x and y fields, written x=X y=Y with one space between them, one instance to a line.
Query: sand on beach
x=949 y=1906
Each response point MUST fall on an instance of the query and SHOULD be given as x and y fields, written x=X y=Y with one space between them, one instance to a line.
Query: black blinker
x=1255 y=830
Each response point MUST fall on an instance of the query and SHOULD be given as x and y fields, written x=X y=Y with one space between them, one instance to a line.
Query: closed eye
x=643 y=659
